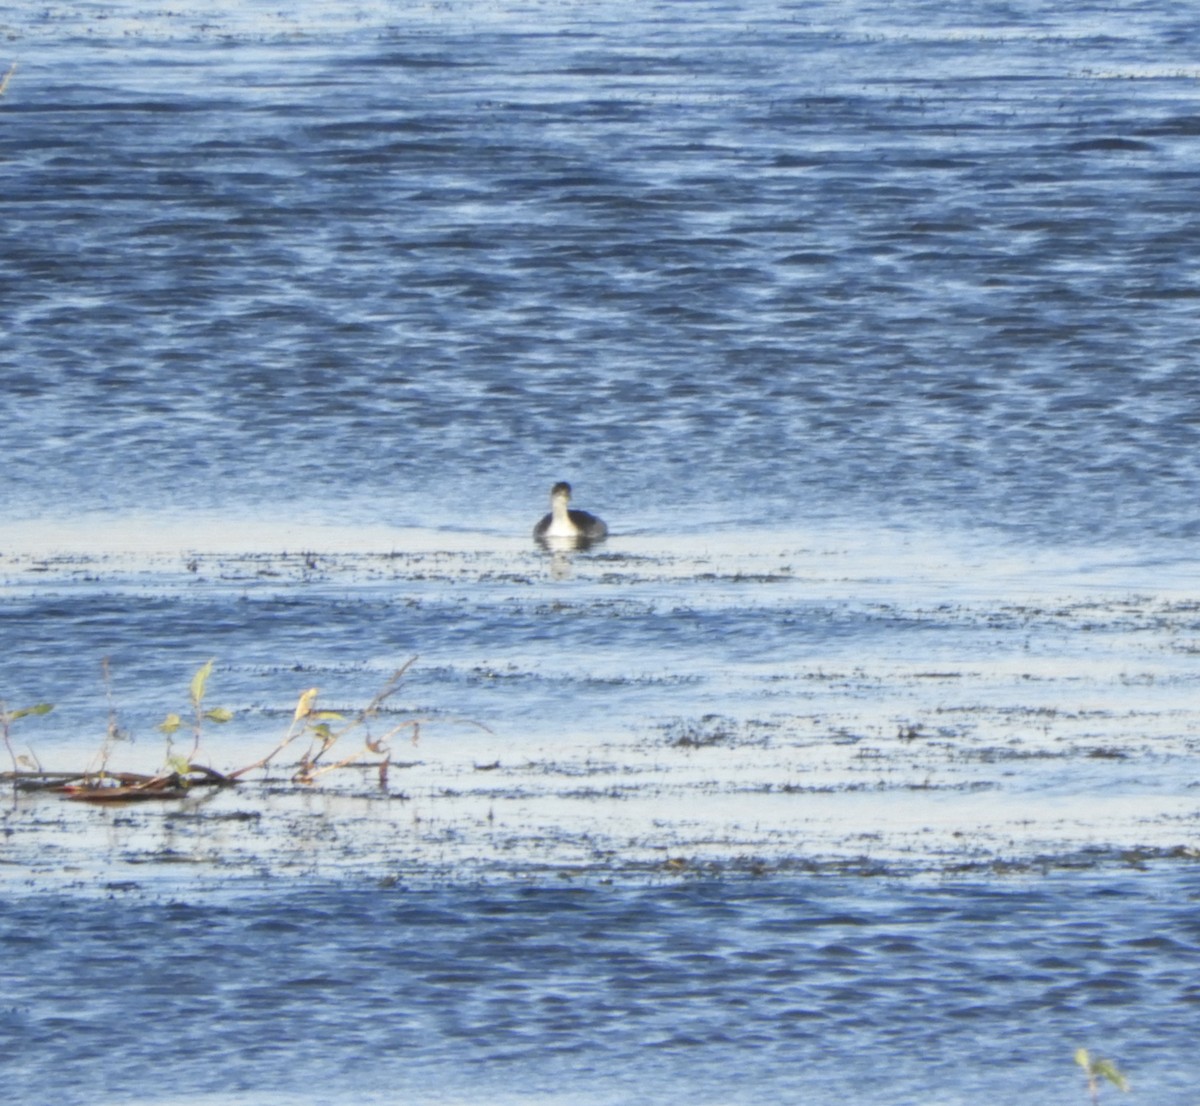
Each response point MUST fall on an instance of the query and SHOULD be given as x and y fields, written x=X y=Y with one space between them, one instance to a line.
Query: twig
x=378 y=747
x=113 y=733
x=293 y=731
x=7 y=77
x=5 y=721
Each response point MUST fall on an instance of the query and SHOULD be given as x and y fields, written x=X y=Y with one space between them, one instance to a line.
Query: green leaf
x=1101 y=1069
x=304 y=704
x=170 y=724
x=198 y=682
x=179 y=764
x=1106 y=1069
x=323 y=731
x=330 y=715
x=41 y=708
x=219 y=714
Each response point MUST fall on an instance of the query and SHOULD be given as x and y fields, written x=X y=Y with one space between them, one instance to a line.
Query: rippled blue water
x=729 y=993
x=760 y=267
x=905 y=260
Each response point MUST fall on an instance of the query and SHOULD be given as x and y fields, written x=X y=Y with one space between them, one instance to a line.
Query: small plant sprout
x=1098 y=1070
x=326 y=737
x=302 y=717
x=173 y=722
x=7 y=718
x=323 y=731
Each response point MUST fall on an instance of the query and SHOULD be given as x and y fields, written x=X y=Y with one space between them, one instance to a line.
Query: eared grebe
x=561 y=523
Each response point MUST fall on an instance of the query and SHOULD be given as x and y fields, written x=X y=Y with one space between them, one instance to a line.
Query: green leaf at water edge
x=180 y=765
x=198 y=682
x=170 y=724
x=219 y=714
x=1106 y=1069
x=1100 y=1069
x=41 y=708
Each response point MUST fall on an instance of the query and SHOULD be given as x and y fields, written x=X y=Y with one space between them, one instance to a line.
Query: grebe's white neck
x=561 y=525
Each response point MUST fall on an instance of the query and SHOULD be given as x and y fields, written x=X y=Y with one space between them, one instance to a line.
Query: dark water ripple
x=808 y=989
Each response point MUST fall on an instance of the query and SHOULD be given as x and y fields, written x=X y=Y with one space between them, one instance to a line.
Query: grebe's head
x=561 y=490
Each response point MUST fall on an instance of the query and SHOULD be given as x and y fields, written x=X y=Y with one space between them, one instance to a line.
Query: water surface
x=860 y=763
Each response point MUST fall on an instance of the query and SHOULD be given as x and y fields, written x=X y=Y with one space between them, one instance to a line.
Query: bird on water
x=562 y=522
